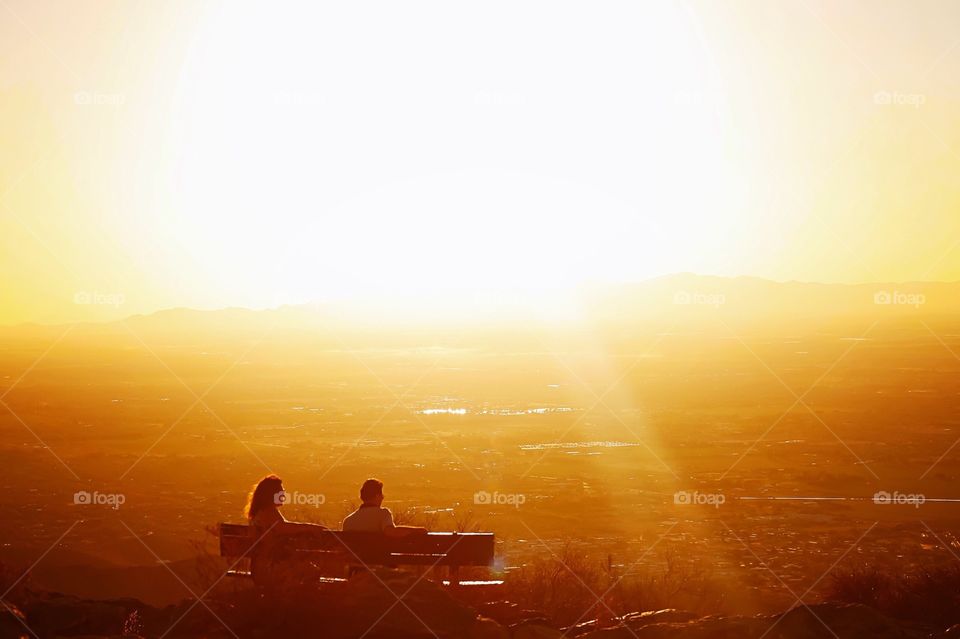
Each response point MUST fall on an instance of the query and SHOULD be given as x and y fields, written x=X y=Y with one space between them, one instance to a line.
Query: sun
x=447 y=169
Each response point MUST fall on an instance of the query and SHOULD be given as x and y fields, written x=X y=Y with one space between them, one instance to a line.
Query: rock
x=13 y=623
x=716 y=628
x=669 y=615
x=484 y=628
x=820 y=621
x=581 y=628
x=509 y=614
x=534 y=630
x=634 y=620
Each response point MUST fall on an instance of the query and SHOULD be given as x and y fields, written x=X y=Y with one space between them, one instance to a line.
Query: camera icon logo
x=82 y=498
x=882 y=297
x=280 y=498
x=482 y=497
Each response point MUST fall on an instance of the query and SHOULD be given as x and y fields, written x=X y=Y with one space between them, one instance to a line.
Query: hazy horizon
x=492 y=305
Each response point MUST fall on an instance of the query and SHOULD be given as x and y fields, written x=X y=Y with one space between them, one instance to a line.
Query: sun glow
x=212 y=154
x=296 y=179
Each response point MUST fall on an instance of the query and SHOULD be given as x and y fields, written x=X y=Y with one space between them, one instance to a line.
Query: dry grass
x=930 y=594
x=570 y=586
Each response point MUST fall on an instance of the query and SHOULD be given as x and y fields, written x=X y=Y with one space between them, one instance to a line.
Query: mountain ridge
x=937 y=296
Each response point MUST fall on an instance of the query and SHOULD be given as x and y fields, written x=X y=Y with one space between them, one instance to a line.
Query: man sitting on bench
x=372 y=517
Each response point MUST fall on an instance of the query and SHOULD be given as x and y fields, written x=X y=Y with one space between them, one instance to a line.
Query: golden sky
x=207 y=154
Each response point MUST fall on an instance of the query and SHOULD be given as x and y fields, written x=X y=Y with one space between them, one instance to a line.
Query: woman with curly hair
x=271 y=561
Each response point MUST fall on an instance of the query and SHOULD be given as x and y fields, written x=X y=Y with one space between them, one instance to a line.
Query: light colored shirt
x=368 y=519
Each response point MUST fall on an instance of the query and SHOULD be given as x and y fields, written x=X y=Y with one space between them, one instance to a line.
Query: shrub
x=930 y=594
x=571 y=586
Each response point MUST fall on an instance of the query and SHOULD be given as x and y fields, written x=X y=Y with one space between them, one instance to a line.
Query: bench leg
x=454 y=573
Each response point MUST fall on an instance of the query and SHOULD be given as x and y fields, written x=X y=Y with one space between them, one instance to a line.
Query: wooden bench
x=449 y=549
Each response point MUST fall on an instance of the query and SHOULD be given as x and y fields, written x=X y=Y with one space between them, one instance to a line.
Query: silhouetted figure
x=371 y=516
x=272 y=562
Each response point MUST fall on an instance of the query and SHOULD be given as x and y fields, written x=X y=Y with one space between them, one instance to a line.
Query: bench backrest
x=435 y=548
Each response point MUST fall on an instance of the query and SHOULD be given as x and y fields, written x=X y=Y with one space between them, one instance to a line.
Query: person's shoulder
x=349 y=518
x=386 y=514
x=267 y=517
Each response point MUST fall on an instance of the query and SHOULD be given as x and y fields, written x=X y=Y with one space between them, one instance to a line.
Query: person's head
x=266 y=493
x=371 y=493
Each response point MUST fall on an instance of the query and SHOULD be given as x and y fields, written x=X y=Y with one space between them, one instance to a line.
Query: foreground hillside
x=399 y=606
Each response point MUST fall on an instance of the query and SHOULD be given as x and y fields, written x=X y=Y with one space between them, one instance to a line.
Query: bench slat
x=441 y=548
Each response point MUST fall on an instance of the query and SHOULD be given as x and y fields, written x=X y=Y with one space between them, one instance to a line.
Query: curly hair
x=263 y=494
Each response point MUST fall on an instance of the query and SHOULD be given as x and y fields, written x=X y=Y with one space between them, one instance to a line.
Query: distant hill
x=680 y=298
x=747 y=297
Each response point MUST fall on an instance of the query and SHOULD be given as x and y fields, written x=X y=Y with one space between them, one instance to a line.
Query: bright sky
x=199 y=154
